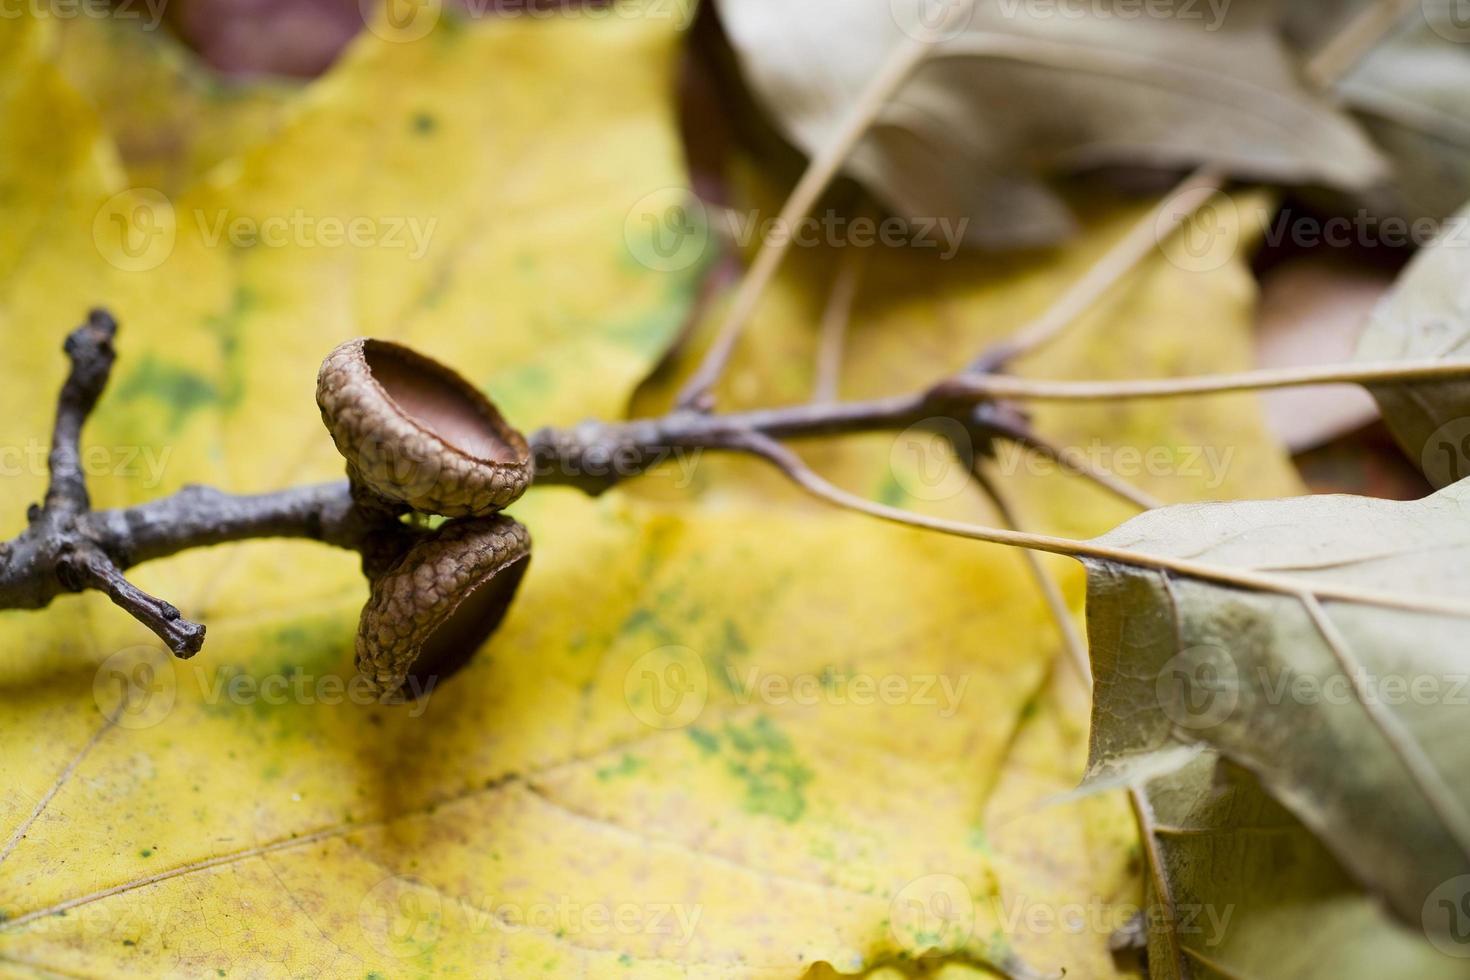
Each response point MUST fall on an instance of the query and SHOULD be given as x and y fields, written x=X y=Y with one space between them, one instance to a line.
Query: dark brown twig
x=68 y=547
x=98 y=572
x=91 y=352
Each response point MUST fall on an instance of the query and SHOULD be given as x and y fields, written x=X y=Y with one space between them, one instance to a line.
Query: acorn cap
x=436 y=605
x=417 y=433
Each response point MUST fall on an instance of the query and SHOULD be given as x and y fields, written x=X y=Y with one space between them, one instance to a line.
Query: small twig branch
x=180 y=635
x=1071 y=460
x=986 y=387
x=1137 y=244
x=1328 y=65
x=1333 y=60
x=90 y=350
x=836 y=320
x=1051 y=593
x=824 y=166
x=803 y=476
x=68 y=548
x=56 y=552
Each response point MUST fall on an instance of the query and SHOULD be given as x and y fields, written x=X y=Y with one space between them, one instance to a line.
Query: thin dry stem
x=1137 y=244
x=836 y=319
x=1143 y=814
x=1074 y=461
x=988 y=387
x=824 y=166
x=1421 y=769
x=1331 y=62
x=1051 y=594
x=792 y=466
x=1323 y=70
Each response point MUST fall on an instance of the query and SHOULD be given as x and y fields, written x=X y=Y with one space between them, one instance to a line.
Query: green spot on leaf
x=775 y=779
x=181 y=391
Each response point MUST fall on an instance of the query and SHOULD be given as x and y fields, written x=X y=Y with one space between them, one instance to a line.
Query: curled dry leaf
x=1408 y=92
x=419 y=434
x=1351 y=714
x=1254 y=894
x=1428 y=315
x=1019 y=96
x=431 y=611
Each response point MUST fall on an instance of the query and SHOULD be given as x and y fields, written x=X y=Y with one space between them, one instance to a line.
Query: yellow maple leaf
x=722 y=732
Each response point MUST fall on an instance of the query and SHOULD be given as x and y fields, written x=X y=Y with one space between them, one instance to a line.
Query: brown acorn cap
x=436 y=605
x=417 y=433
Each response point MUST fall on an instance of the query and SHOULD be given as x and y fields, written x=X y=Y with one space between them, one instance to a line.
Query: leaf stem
x=1051 y=594
x=1137 y=244
x=993 y=386
x=836 y=319
x=792 y=466
x=824 y=166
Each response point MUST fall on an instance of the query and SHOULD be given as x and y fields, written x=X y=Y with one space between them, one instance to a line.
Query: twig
x=1073 y=461
x=1143 y=814
x=1136 y=245
x=836 y=319
x=991 y=386
x=1324 y=69
x=180 y=635
x=803 y=476
x=1050 y=593
x=1333 y=60
x=696 y=394
x=90 y=350
x=68 y=548
x=56 y=545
